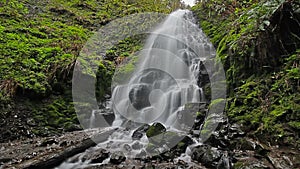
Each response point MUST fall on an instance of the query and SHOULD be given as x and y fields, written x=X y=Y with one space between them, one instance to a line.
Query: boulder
x=183 y=144
x=155 y=129
x=138 y=96
x=139 y=132
x=207 y=155
x=117 y=157
x=97 y=156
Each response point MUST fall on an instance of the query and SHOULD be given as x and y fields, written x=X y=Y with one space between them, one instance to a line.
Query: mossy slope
x=258 y=43
x=39 y=44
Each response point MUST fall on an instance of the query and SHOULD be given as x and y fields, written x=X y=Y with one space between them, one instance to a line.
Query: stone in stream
x=97 y=156
x=117 y=157
x=139 y=132
x=137 y=96
x=137 y=146
x=155 y=129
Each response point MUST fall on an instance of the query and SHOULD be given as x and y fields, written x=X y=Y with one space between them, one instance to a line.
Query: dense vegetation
x=258 y=43
x=39 y=44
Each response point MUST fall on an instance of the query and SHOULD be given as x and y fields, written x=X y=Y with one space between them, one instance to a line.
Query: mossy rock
x=155 y=129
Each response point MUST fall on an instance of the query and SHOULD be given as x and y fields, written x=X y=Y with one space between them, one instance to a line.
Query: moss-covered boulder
x=155 y=129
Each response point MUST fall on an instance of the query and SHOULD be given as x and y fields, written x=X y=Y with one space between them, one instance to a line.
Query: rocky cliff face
x=258 y=44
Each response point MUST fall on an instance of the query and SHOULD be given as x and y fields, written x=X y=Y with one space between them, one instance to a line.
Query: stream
x=164 y=82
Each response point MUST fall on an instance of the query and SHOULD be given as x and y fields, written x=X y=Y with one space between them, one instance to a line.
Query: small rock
x=207 y=155
x=217 y=141
x=127 y=147
x=136 y=146
x=139 y=132
x=117 y=157
x=142 y=154
x=195 y=133
x=97 y=156
x=183 y=144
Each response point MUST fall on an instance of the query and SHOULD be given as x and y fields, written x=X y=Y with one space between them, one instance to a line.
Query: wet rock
x=198 y=112
x=142 y=154
x=127 y=147
x=243 y=144
x=216 y=140
x=152 y=148
x=97 y=156
x=183 y=144
x=167 y=155
x=139 y=132
x=185 y=120
x=195 y=133
x=200 y=117
x=207 y=155
x=117 y=157
x=203 y=77
x=151 y=76
x=102 y=118
x=155 y=129
x=137 y=146
x=130 y=125
x=138 y=96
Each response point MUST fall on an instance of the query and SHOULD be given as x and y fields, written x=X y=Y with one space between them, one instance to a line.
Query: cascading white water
x=164 y=80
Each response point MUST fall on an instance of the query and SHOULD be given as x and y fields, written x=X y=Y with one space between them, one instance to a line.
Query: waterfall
x=165 y=78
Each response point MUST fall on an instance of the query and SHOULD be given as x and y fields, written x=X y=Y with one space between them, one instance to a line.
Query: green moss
x=42 y=40
x=262 y=75
x=155 y=129
x=39 y=45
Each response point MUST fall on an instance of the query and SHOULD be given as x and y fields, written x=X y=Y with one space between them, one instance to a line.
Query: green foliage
x=40 y=41
x=270 y=103
x=57 y=115
x=39 y=45
x=262 y=69
x=104 y=78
